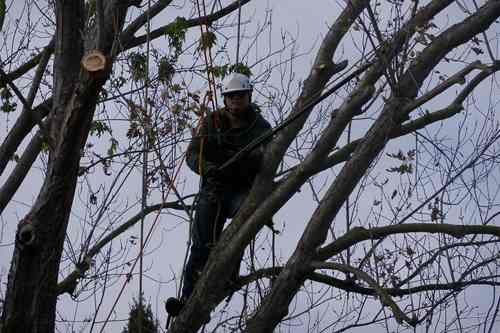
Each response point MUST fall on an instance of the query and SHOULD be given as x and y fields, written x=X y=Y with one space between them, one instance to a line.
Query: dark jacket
x=220 y=143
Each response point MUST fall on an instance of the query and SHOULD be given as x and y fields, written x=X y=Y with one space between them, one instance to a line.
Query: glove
x=210 y=170
x=213 y=177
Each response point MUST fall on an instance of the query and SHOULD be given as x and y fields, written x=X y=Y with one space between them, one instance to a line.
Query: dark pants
x=212 y=211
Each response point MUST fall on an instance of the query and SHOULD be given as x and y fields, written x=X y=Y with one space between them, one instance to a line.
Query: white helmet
x=236 y=82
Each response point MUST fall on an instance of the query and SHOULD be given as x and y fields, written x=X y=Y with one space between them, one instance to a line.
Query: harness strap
x=216 y=126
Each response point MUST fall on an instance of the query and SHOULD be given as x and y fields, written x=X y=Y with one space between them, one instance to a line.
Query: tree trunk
x=31 y=295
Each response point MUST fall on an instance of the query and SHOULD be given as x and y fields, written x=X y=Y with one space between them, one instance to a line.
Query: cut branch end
x=94 y=61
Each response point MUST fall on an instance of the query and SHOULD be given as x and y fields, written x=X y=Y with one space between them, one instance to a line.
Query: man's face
x=237 y=101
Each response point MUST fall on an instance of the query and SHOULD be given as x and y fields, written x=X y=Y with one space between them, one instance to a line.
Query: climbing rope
x=144 y=241
x=144 y=165
x=252 y=145
x=147 y=239
x=207 y=55
x=273 y=251
x=212 y=98
x=238 y=34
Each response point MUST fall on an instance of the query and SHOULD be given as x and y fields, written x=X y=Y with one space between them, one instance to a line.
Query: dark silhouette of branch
x=129 y=41
x=360 y=234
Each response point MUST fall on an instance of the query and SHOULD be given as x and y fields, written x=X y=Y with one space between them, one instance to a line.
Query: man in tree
x=222 y=134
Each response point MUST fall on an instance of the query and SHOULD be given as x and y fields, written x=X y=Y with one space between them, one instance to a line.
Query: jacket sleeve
x=250 y=164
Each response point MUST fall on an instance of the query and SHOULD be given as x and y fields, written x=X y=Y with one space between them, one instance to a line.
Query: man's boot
x=174 y=306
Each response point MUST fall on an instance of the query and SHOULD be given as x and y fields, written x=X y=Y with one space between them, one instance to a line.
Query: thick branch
x=129 y=42
x=100 y=23
x=352 y=106
x=27 y=103
x=458 y=78
x=27 y=66
x=21 y=128
x=350 y=286
x=22 y=168
x=360 y=234
x=454 y=36
x=409 y=127
x=385 y=298
x=139 y=22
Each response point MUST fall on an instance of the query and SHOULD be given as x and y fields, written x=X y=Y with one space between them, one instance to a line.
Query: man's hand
x=212 y=176
x=211 y=171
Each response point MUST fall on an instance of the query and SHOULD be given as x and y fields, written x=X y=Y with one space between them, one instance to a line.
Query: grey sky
x=307 y=21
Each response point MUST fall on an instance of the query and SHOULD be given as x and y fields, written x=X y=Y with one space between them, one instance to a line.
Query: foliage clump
x=7 y=104
x=138 y=66
x=224 y=70
x=176 y=34
x=137 y=312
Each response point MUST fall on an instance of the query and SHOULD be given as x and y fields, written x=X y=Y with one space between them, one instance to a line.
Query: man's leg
x=232 y=203
x=208 y=222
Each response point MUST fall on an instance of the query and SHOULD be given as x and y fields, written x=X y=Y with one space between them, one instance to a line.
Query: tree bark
x=31 y=296
x=21 y=169
x=275 y=305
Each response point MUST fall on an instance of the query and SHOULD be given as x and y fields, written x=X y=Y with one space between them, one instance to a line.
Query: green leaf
x=222 y=71
x=207 y=40
x=134 y=130
x=91 y=8
x=99 y=128
x=165 y=70
x=6 y=104
x=176 y=34
x=399 y=155
x=137 y=63
x=240 y=68
x=113 y=147
x=5 y=93
x=45 y=146
x=402 y=169
x=219 y=71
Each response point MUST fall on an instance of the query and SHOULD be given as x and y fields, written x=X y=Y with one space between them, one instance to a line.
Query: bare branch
x=350 y=286
x=458 y=78
x=360 y=234
x=26 y=103
x=21 y=128
x=68 y=284
x=129 y=41
x=11 y=185
x=430 y=118
x=27 y=66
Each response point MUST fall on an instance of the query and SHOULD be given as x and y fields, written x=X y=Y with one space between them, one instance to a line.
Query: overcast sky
x=306 y=21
